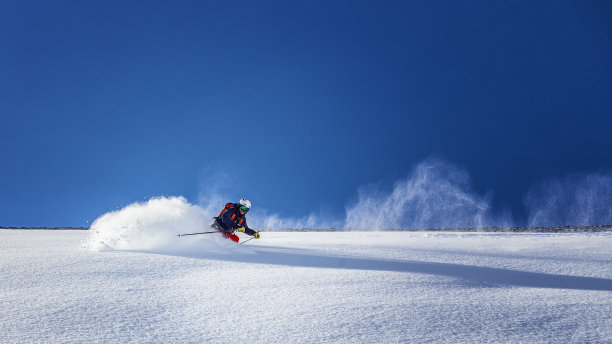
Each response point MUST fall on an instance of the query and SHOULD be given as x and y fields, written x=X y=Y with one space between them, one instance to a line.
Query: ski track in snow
x=339 y=287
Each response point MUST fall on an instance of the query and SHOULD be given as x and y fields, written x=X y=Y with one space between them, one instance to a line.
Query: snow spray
x=578 y=200
x=436 y=195
x=153 y=226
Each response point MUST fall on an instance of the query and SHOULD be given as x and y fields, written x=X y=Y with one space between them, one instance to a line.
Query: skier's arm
x=245 y=228
x=248 y=230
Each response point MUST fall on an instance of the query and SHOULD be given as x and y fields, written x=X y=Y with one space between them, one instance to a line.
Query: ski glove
x=240 y=229
x=256 y=235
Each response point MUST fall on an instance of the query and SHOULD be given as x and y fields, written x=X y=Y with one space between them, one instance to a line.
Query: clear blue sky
x=104 y=103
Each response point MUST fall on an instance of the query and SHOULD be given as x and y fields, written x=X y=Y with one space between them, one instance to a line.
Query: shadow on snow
x=481 y=275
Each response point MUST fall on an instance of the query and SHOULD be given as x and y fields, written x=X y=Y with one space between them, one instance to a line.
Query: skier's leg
x=230 y=236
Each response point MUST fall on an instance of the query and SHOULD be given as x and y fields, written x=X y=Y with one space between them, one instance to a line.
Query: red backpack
x=227 y=206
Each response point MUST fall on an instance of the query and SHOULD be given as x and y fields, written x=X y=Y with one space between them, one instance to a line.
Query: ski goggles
x=243 y=208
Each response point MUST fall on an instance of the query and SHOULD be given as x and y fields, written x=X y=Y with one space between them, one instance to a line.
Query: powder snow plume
x=153 y=226
x=437 y=194
x=579 y=199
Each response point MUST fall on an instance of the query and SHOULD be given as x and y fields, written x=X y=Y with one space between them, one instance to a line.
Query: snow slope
x=338 y=287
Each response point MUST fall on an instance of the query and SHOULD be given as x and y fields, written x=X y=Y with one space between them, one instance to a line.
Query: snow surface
x=323 y=287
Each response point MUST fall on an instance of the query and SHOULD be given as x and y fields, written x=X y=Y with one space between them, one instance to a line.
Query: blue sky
x=104 y=103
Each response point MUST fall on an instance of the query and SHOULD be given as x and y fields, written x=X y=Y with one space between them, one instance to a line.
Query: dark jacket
x=231 y=219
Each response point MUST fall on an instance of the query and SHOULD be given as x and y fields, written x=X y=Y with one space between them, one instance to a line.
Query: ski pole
x=198 y=233
x=247 y=240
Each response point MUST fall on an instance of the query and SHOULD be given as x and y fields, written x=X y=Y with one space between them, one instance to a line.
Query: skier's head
x=245 y=205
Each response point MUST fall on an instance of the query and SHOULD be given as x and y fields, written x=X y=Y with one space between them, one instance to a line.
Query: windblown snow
x=153 y=226
x=137 y=282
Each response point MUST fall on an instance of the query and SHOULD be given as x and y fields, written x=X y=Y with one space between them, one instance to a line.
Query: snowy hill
x=353 y=287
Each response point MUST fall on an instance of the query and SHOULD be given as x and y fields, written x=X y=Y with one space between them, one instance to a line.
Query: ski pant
x=232 y=237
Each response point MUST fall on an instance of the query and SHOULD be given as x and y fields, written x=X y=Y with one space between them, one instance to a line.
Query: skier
x=232 y=218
